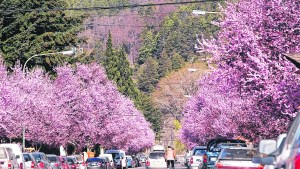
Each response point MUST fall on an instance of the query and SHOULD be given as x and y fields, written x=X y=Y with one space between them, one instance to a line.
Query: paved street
x=177 y=166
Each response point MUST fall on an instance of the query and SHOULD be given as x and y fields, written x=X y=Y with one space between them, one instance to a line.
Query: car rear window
x=37 y=156
x=52 y=158
x=2 y=153
x=26 y=157
x=156 y=155
x=238 y=154
x=199 y=152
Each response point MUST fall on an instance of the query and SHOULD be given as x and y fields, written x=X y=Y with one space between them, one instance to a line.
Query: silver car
x=54 y=161
x=30 y=162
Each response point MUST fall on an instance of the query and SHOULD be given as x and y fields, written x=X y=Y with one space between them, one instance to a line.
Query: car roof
x=199 y=147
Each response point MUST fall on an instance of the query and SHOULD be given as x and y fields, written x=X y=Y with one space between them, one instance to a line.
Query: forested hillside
x=155 y=40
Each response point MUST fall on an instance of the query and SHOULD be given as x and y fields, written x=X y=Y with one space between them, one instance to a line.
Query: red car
x=64 y=162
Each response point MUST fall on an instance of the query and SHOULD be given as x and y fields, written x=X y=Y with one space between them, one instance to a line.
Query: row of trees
x=254 y=90
x=80 y=106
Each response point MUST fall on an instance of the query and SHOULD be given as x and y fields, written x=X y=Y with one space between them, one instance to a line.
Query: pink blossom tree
x=252 y=70
x=80 y=106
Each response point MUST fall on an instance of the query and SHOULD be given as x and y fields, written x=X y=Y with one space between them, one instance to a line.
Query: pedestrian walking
x=170 y=157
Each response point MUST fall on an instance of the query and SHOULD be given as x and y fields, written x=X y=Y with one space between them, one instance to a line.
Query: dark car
x=96 y=163
x=42 y=160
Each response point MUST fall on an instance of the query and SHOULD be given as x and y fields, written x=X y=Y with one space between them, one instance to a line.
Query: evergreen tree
x=24 y=34
x=164 y=64
x=118 y=69
x=177 y=61
x=148 y=47
x=152 y=114
x=149 y=76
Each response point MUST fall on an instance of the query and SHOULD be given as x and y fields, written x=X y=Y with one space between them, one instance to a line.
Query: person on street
x=170 y=157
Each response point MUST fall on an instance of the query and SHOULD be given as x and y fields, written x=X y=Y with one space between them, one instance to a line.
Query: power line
x=105 y=8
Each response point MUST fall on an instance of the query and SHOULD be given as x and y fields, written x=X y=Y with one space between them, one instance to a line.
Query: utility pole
x=23 y=145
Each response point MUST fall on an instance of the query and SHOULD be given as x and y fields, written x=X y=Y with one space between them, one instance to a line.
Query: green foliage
x=24 y=34
x=177 y=61
x=152 y=114
x=179 y=146
x=149 y=77
x=148 y=46
x=118 y=70
x=164 y=65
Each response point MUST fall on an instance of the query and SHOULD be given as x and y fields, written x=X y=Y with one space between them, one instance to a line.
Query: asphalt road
x=177 y=166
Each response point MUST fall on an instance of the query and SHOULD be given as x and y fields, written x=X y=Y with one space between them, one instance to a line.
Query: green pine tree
x=118 y=70
x=24 y=34
x=164 y=64
x=149 y=77
x=148 y=47
x=177 y=61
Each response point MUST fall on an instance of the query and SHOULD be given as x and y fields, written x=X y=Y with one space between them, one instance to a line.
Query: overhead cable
x=105 y=7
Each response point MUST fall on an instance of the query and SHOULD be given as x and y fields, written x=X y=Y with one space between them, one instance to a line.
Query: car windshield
x=199 y=152
x=238 y=154
x=52 y=158
x=2 y=153
x=156 y=155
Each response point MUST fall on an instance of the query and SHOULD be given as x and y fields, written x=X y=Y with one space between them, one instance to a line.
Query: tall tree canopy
x=24 y=34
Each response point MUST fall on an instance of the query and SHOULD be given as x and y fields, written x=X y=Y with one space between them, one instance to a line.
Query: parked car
x=156 y=159
x=8 y=159
x=289 y=157
x=240 y=157
x=16 y=149
x=54 y=161
x=143 y=158
x=109 y=159
x=196 y=157
x=276 y=154
x=80 y=161
x=130 y=162
x=64 y=162
x=214 y=148
x=137 y=161
x=42 y=160
x=71 y=162
x=30 y=162
x=187 y=158
x=119 y=158
x=95 y=163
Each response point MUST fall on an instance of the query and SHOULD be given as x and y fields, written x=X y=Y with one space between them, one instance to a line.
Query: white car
x=8 y=159
x=156 y=159
x=196 y=157
x=16 y=149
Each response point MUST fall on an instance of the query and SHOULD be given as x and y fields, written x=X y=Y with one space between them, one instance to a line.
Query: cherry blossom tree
x=252 y=74
x=80 y=106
